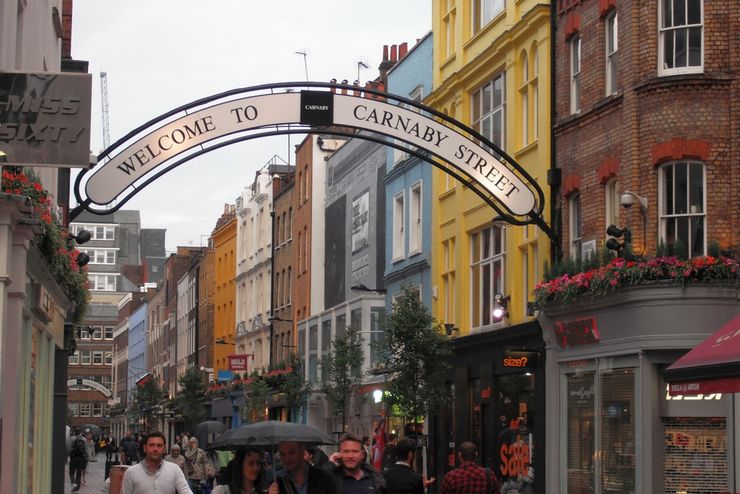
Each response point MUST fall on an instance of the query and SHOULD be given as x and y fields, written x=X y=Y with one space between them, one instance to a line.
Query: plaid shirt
x=468 y=479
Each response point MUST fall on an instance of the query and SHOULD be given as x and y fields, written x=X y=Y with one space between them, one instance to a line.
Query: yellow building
x=224 y=245
x=491 y=72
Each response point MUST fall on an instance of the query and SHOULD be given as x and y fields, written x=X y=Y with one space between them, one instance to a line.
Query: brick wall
x=619 y=135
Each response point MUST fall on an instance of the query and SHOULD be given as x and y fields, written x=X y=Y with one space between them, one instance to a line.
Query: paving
x=94 y=477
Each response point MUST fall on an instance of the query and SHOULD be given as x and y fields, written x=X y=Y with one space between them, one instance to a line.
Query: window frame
x=664 y=217
x=575 y=223
x=612 y=205
x=483 y=12
x=575 y=73
x=398 y=247
x=495 y=112
x=687 y=69
x=611 y=28
x=497 y=283
x=416 y=218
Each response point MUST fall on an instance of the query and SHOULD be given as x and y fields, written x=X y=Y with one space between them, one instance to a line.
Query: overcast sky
x=162 y=54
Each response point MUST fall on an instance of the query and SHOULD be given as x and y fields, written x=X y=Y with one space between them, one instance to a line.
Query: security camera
x=626 y=200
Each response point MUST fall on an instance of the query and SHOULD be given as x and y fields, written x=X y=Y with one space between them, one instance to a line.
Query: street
x=94 y=480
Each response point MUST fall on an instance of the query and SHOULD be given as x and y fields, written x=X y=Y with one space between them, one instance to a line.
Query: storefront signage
x=238 y=362
x=577 y=332
x=140 y=157
x=519 y=358
x=45 y=118
x=515 y=459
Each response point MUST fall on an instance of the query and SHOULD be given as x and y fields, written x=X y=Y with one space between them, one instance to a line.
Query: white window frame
x=576 y=224
x=107 y=231
x=524 y=97
x=97 y=409
x=496 y=285
x=496 y=111
x=108 y=358
x=97 y=357
x=85 y=357
x=612 y=206
x=535 y=93
x=85 y=409
x=103 y=282
x=448 y=23
x=108 y=332
x=611 y=26
x=74 y=409
x=575 y=74
x=74 y=359
x=415 y=219
x=668 y=33
x=97 y=333
x=399 y=230
x=692 y=212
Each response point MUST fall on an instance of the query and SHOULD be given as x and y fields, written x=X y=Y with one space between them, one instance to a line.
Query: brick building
x=646 y=137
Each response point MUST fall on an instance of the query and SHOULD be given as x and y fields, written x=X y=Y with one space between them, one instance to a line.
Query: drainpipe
x=554 y=174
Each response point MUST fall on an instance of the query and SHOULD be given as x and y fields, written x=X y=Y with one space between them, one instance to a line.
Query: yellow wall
x=465 y=61
x=224 y=244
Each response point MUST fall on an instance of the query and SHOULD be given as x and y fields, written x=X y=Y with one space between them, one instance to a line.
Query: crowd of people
x=296 y=468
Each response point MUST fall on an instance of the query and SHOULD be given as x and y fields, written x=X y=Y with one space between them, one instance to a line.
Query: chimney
x=402 y=50
x=385 y=65
x=394 y=53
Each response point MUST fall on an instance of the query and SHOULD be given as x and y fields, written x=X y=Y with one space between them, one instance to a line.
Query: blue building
x=408 y=185
x=137 y=345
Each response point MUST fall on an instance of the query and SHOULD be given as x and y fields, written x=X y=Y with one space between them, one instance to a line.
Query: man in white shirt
x=154 y=474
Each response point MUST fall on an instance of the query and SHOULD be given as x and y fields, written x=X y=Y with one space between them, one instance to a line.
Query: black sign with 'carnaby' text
x=317 y=108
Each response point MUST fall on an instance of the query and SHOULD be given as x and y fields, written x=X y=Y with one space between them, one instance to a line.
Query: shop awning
x=711 y=367
x=221 y=408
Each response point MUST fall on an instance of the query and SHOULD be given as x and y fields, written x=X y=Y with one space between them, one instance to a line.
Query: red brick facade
x=651 y=120
x=283 y=277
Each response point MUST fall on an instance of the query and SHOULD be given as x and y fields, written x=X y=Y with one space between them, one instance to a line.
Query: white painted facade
x=183 y=334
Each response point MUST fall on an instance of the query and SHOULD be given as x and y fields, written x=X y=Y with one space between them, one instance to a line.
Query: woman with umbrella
x=247 y=475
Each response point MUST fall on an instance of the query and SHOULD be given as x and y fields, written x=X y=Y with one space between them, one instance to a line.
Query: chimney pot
x=385 y=52
x=402 y=50
x=394 y=53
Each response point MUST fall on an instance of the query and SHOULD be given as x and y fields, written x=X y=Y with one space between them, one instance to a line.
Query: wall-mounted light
x=628 y=198
x=499 y=309
x=378 y=395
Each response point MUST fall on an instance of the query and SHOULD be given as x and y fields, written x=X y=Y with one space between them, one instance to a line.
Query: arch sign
x=71 y=383
x=288 y=108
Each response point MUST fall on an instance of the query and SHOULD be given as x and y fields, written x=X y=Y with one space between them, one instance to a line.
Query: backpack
x=78 y=449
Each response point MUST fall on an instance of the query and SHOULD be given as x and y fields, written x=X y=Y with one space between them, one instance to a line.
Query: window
x=278 y=236
x=487 y=272
x=524 y=97
x=448 y=28
x=289 y=224
x=398 y=227
x=109 y=332
x=612 y=44
x=84 y=333
x=574 y=211
x=611 y=193
x=290 y=284
x=97 y=333
x=74 y=359
x=682 y=211
x=535 y=94
x=488 y=110
x=681 y=37
x=102 y=282
x=85 y=357
x=101 y=256
x=575 y=74
x=108 y=358
x=448 y=279
x=484 y=12
x=97 y=409
x=415 y=220
x=97 y=358
x=74 y=409
x=84 y=409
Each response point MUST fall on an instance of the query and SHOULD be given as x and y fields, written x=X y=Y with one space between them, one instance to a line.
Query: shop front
x=612 y=425
x=499 y=404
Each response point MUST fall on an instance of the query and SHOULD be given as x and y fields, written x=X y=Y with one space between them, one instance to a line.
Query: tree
x=295 y=387
x=342 y=371
x=190 y=398
x=257 y=399
x=145 y=401
x=416 y=354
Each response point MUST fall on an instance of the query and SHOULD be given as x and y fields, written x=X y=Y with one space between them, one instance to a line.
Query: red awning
x=713 y=366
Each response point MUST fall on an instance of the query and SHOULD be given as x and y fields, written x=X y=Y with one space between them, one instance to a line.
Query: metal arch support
x=509 y=168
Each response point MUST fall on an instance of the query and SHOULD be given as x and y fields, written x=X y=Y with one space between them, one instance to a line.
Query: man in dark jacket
x=352 y=474
x=401 y=477
x=298 y=475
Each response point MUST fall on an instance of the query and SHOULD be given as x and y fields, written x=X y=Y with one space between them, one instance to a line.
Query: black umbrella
x=92 y=429
x=269 y=433
x=205 y=429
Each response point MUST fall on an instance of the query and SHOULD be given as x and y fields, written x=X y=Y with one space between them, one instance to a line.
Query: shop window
x=515 y=412
x=695 y=454
x=600 y=431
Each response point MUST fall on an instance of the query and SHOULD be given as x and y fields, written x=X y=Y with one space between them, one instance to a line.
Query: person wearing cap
x=196 y=465
x=176 y=458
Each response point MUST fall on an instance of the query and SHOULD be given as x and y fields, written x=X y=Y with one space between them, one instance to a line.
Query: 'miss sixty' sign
x=144 y=155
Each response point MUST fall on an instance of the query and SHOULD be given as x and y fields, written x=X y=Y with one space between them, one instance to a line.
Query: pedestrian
x=89 y=454
x=129 y=450
x=401 y=476
x=389 y=452
x=110 y=449
x=77 y=461
x=298 y=475
x=351 y=472
x=366 y=448
x=184 y=441
x=176 y=458
x=197 y=466
x=247 y=475
x=469 y=477
x=153 y=474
